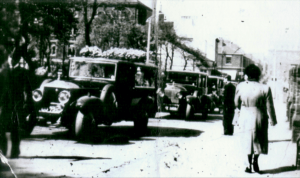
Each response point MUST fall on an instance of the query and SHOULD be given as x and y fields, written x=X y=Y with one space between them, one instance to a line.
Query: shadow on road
x=273 y=141
x=278 y=170
x=197 y=117
x=7 y=174
x=118 y=135
x=74 y=158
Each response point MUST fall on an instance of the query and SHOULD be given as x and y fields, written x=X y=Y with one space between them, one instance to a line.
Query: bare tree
x=185 y=57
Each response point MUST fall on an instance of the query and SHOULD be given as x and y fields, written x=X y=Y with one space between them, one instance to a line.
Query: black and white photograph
x=149 y=88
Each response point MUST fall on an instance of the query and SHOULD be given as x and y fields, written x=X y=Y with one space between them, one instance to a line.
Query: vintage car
x=99 y=91
x=189 y=92
x=182 y=88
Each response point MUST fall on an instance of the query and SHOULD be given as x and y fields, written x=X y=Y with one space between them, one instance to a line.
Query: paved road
x=171 y=147
x=49 y=151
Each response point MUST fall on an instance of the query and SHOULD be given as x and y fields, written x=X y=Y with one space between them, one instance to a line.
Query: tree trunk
x=185 y=60
x=171 y=59
x=87 y=34
x=167 y=56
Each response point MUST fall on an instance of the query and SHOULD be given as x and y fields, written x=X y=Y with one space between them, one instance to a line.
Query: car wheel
x=190 y=111
x=85 y=126
x=141 y=121
x=298 y=151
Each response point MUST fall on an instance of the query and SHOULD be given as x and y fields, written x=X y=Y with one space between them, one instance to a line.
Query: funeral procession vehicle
x=187 y=92
x=99 y=91
x=181 y=90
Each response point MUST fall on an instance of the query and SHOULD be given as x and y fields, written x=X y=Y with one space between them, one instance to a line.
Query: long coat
x=6 y=98
x=229 y=92
x=256 y=106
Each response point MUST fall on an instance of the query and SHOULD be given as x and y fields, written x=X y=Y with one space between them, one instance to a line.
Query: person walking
x=229 y=92
x=255 y=103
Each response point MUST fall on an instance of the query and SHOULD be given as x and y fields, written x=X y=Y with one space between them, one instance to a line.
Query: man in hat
x=229 y=93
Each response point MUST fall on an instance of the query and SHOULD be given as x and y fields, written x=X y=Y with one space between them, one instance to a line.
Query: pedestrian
x=215 y=98
x=255 y=102
x=9 y=101
x=229 y=92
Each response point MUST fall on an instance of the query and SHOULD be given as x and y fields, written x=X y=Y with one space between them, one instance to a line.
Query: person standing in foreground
x=229 y=92
x=255 y=102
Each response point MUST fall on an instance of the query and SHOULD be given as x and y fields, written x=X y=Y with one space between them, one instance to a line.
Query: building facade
x=231 y=59
x=139 y=14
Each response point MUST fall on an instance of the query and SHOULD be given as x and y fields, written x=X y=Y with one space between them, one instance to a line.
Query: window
x=145 y=77
x=228 y=60
x=94 y=70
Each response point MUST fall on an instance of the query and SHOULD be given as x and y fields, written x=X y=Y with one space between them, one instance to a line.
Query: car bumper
x=54 y=110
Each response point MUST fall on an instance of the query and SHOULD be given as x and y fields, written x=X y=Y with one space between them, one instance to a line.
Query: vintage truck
x=187 y=92
x=99 y=91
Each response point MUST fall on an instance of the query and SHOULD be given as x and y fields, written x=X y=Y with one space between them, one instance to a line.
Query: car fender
x=105 y=92
x=205 y=101
x=191 y=99
x=87 y=104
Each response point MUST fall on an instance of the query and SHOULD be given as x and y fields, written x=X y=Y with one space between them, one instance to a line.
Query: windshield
x=183 y=78
x=90 y=69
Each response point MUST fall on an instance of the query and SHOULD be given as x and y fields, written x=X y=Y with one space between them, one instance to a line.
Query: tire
x=141 y=121
x=85 y=126
x=109 y=100
x=190 y=111
x=298 y=152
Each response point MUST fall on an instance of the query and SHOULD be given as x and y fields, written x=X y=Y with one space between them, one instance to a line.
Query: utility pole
x=155 y=13
x=148 y=39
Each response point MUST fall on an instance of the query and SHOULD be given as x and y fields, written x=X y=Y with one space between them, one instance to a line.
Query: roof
x=90 y=59
x=229 y=47
x=128 y=3
x=111 y=61
x=189 y=72
x=213 y=76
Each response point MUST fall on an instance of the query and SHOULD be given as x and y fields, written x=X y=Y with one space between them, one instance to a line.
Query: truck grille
x=50 y=95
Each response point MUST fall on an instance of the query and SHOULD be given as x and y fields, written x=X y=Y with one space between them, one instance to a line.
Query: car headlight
x=179 y=95
x=64 y=96
x=37 y=95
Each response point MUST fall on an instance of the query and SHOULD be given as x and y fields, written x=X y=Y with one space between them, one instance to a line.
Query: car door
x=124 y=86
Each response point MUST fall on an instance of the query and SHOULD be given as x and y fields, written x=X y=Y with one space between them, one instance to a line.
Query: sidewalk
x=280 y=161
x=213 y=154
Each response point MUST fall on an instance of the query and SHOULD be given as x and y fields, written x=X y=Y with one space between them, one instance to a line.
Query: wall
x=235 y=61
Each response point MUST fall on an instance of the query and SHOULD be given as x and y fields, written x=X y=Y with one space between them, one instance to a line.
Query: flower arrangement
x=134 y=55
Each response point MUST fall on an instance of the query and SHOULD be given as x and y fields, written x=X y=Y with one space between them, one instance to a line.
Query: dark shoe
x=255 y=166
x=248 y=169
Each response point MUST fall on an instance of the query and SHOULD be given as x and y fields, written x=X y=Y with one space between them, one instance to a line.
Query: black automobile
x=182 y=92
x=99 y=91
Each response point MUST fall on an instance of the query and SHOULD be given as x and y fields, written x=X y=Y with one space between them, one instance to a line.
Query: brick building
x=139 y=14
x=231 y=59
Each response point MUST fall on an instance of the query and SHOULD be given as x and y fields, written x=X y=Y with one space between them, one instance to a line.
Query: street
x=171 y=148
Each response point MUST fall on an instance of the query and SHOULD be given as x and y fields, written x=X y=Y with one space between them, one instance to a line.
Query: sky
x=257 y=26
